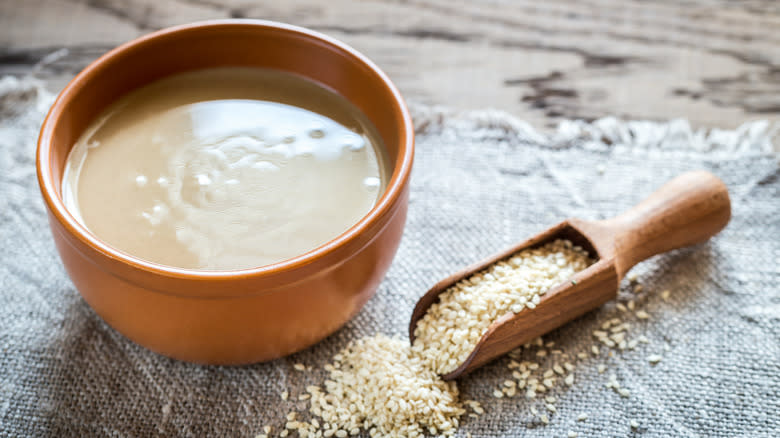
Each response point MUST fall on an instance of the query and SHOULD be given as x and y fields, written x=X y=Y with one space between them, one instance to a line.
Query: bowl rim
x=384 y=206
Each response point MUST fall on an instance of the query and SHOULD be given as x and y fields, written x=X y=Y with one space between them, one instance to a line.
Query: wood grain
x=687 y=210
x=714 y=62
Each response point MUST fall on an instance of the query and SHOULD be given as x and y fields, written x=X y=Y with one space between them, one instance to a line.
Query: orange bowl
x=241 y=316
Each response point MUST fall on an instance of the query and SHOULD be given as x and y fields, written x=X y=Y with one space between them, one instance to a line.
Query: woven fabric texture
x=482 y=180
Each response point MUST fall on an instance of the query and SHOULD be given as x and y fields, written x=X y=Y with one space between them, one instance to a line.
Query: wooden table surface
x=716 y=62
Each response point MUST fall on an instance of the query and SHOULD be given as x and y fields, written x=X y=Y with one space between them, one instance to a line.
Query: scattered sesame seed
x=665 y=295
x=370 y=367
x=632 y=277
x=634 y=424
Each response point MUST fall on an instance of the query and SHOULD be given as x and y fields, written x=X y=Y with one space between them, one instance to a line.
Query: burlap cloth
x=482 y=180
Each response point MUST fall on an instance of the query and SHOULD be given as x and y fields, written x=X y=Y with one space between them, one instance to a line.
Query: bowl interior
x=222 y=44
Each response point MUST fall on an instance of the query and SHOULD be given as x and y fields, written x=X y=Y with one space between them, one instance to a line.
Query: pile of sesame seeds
x=453 y=326
x=377 y=384
x=369 y=389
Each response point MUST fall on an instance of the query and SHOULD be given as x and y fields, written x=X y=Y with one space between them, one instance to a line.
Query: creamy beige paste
x=224 y=169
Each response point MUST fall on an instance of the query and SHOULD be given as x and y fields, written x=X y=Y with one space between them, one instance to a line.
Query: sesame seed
x=572 y=434
x=665 y=295
x=641 y=314
x=654 y=359
x=638 y=288
x=285 y=394
x=300 y=367
x=545 y=419
x=632 y=277
x=520 y=279
x=634 y=424
x=582 y=417
x=624 y=392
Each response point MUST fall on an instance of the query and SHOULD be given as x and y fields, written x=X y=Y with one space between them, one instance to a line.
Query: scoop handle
x=687 y=210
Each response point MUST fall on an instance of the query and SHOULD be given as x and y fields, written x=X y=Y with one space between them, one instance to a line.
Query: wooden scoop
x=688 y=209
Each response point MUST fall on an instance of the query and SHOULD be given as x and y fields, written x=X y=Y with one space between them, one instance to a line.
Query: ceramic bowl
x=241 y=316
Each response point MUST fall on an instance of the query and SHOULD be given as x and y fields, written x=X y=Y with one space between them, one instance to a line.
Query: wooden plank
x=716 y=63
